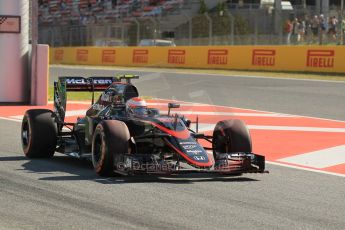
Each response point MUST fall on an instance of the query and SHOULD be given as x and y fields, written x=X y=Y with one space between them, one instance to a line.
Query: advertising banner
x=271 y=58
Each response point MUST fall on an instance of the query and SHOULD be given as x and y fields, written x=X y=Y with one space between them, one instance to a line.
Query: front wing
x=226 y=164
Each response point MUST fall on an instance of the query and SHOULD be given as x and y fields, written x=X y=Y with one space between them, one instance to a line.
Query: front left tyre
x=231 y=136
x=39 y=133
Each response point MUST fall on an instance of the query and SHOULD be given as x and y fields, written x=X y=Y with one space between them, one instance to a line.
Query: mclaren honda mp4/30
x=119 y=141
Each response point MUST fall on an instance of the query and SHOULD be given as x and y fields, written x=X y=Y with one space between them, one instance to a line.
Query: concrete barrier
x=40 y=89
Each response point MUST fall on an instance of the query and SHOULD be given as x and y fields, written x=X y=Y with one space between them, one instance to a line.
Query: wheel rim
x=220 y=144
x=26 y=134
x=97 y=151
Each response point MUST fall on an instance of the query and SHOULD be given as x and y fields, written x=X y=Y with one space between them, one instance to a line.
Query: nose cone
x=194 y=153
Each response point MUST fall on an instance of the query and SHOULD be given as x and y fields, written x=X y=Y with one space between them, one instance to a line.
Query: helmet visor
x=141 y=111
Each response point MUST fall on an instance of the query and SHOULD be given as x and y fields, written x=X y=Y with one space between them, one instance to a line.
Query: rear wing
x=81 y=84
x=76 y=84
x=86 y=84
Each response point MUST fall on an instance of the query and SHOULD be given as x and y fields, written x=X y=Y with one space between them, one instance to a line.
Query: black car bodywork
x=116 y=141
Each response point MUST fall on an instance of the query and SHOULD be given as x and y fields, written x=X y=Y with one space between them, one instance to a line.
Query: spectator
x=288 y=31
x=295 y=31
x=308 y=32
x=83 y=20
x=315 y=28
x=114 y=3
x=63 y=6
x=323 y=24
x=332 y=28
x=301 y=30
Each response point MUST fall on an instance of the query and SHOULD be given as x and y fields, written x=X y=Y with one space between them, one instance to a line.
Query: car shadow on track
x=77 y=170
x=13 y=158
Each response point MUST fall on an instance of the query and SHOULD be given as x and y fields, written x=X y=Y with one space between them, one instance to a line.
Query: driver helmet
x=137 y=106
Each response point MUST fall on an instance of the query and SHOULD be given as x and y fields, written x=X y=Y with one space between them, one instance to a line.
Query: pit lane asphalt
x=64 y=193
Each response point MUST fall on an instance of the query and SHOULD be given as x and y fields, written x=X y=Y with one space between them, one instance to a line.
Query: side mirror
x=172 y=106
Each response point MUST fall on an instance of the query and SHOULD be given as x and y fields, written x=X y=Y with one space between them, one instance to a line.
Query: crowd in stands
x=80 y=12
x=311 y=29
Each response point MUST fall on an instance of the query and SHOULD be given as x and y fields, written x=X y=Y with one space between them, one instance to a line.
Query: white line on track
x=263 y=111
x=68 y=114
x=297 y=128
x=235 y=114
x=181 y=104
x=19 y=117
x=75 y=113
x=305 y=169
x=318 y=159
x=203 y=127
x=11 y=119
x=74 y=102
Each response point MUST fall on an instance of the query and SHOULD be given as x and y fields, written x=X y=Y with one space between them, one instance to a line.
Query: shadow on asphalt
x=82 y=170
x=14 y=158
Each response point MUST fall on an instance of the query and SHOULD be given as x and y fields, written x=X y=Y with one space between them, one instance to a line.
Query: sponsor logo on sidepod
x=194 y=151
x=187 y=143
x=188 y=146
x=199 y=158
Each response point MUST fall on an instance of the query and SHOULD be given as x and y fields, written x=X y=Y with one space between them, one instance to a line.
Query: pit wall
x=274 y=58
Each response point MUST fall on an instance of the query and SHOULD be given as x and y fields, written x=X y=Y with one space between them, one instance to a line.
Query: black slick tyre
x=110 y=138
x=39 y=133
x=231 y=136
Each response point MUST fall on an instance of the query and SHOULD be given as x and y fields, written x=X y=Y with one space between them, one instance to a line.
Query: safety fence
x=249 y=24
x=271 y=58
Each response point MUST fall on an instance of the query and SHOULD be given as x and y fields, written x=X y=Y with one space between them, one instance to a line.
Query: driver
x=137 y=107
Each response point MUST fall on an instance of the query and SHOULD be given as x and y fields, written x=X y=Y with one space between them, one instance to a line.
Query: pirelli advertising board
x=283 y=58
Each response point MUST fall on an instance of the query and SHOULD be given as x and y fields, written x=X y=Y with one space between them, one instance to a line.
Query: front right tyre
x=110 y=138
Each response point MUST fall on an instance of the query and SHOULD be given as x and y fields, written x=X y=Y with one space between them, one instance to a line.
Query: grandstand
x=83 y=11
x=59 y=18
x=221 y=22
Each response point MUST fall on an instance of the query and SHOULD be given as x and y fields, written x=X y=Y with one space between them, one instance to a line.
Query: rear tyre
x=110 y=138
x=39 y=133
x=231 y=136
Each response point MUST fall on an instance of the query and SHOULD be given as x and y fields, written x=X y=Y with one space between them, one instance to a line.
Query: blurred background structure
x=190 y=22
